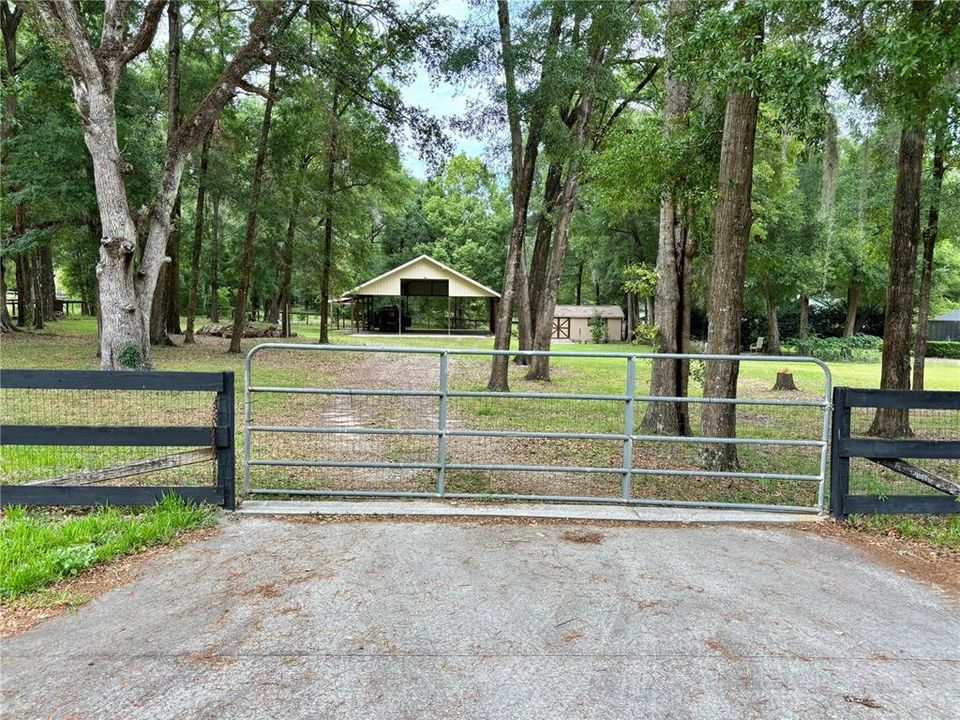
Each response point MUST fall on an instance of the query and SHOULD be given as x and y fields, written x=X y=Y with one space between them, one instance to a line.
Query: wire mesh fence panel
x=404 y=415
x=68 y=437
x=895 y=452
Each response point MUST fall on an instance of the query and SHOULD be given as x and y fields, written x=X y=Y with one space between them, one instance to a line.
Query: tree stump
x=784 y=380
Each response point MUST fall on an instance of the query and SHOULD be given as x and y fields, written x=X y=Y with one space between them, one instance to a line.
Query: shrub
x=597 y=333
x=943 y=349
x=645 y=335
x=838 y=348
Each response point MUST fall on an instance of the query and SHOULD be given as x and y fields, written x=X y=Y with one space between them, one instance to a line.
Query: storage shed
x=572 y=322
x=945 y=327
x=422 y=295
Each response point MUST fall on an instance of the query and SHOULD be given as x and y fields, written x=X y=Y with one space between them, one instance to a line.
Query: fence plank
x=137 y=467
x=902 y=505
x=109 y=495
x=921 y=475
x=918 y=399
x=110 y=380
x=106 y=435
x=880 y=448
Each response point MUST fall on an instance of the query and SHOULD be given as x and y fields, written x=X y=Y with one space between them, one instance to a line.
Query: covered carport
x=422 y=295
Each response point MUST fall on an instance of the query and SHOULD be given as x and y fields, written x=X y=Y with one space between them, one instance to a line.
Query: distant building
x=945 y=327
x=422 y=295
x=572 y=322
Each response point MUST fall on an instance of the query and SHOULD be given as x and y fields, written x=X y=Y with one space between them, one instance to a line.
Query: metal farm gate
x=364 y=421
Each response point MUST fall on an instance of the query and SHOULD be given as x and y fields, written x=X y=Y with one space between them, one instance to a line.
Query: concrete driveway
x=279 y=619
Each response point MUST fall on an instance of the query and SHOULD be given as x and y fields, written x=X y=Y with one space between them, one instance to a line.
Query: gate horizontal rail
x=443 y=431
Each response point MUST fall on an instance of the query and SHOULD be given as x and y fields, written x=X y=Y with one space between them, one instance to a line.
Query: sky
x=444 y=100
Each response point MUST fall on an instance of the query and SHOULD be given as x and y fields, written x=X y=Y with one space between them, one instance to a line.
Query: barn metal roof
x=422 y=267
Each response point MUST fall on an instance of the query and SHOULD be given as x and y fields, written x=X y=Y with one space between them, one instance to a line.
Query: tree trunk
x=733 y=221
x=246 y=263
x=172 y=293
x=804 y=304
x=524 y=314
x=6 y=324
x=126 y=286
x=668 y=377
x=541 y=247
x=327 y=260
x=580 y=284
x=523 y=167
x=828 y=193
x=24 y=281
x=929 y=243
x=10 y=16
x=37 y=291
x=853 y=300
x=213 y=311
x=48 y=283
x=898 y=305
x=773 y=328
x=543 y=321
x=197 y=236
x=286 y=258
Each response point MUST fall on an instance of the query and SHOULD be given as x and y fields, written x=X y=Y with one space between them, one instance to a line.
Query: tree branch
x=192 y=129
x=64 y=29
x=632 y=97
x=249 y=87
x=140 y=42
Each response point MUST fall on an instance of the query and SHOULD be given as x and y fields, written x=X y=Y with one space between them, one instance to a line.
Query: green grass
x=71 y=343
x=40 y=547
x=936 y=530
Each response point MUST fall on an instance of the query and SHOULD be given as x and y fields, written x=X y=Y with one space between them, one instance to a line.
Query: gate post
x=627 y=481
x=226 y=455
x=839 y=462
x=442 y=436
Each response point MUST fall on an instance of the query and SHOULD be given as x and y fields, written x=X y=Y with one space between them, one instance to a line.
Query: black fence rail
x=890 y=454
x=215 y=441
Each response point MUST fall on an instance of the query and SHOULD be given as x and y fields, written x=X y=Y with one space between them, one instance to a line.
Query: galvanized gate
x=360 y=401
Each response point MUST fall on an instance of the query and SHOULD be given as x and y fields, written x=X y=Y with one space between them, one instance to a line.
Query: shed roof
x=952 y=316
x=423 y=268
x=587 y=311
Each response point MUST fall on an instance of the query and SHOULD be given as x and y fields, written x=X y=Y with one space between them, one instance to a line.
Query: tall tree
x=198 y=225
x=930 y=234
x=733 y=220
x=898 y=60
x=10 y=16
x=523 y=162
x=548 y=287
x=216 y=231
x=127 y=287
x=167 y=297
x=674 y=257
x=253 y=214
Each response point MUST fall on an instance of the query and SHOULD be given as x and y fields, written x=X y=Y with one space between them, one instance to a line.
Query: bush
x=943 y=349
x=858 y=347
x=645 y=335
x=597 y=328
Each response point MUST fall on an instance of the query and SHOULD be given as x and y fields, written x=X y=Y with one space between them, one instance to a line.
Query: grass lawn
x=71 y=343
x=39 y=547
